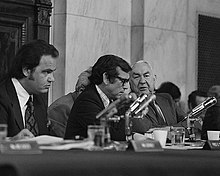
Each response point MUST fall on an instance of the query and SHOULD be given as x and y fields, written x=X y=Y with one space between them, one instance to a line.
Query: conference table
x=77 y=162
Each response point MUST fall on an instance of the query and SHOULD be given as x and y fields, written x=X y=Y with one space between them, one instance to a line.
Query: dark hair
x=29 y=56
x=170 y=88
x=108 y=64
x=192 y=97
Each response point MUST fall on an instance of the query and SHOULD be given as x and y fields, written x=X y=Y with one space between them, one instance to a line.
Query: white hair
x=143 y=61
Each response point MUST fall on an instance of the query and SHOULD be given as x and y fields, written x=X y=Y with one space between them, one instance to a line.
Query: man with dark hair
x=212 y=115
x=22 y=94
x=59 y=110
x=170 y=88
x=195 y=98
x=109 y=77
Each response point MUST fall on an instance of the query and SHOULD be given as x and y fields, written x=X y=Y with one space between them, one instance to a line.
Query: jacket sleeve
x=83 y=113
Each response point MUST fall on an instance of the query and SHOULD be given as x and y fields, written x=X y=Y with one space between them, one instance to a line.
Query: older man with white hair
x=162 y=112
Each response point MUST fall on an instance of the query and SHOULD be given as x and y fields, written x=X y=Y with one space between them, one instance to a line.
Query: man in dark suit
x=162 y=112
x=194 y=99
x=109 y=77
x=212 y=115
x=22 y=94
x=59 y=110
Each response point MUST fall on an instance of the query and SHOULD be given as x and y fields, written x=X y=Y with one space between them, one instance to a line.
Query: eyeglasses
x=123 y=80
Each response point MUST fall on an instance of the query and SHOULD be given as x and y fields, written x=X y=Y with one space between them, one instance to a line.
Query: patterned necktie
x=30 y=122
x=160 y=117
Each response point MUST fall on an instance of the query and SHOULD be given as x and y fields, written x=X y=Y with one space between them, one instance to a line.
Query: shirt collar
x=104 y=98
x=22 y=94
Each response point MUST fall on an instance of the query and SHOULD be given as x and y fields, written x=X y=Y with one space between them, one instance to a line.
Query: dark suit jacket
x=10 y=112
x=83 y=113
x=172 y=113
x=211 y=119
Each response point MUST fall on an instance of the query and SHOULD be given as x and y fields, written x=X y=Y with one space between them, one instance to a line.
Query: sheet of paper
x=69 y=144
x=56 y=143
x=186 y=146
x=44 y=139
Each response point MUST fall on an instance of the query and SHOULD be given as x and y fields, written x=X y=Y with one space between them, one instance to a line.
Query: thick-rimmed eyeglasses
x=123 y=80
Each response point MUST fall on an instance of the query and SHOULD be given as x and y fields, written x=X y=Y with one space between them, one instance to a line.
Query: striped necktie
x=160 y=117
x=30 y=122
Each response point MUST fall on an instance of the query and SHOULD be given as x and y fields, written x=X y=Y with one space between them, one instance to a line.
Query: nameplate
x=13 y=147
x=212 y=145
x=147 y=145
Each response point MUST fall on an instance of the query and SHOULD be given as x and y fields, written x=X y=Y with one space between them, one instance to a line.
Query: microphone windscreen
x=118 y=104
x=133 y=96
x=145 y=104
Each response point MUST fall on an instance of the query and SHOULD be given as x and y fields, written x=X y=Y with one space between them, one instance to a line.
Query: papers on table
x=186 y=146
x=56 y=143
x=44 y=139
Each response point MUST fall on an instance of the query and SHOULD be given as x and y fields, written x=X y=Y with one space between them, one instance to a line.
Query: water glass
x=3 y=131
x=178 y=136
x=96 y=134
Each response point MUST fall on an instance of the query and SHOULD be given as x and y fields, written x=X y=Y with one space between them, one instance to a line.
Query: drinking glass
x=3 y=131
x=178 y=136
x=96 y=134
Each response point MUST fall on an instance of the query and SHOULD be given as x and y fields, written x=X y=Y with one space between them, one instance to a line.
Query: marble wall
x=162 y=32
x=165 y=39
x=83 y=30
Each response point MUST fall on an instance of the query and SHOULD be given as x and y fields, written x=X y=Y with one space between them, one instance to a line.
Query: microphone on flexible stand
x=116 y=105
x=137 y=102
x=108 y=114
x=195 y=112
x=144 y=104
x=140 y=104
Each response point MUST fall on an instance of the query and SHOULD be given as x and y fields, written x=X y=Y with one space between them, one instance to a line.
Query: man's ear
x=105 y=78
x=26 y=71
x=155 y=78
x=154 y=83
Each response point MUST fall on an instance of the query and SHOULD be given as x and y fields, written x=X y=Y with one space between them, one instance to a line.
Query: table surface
x=109 y=163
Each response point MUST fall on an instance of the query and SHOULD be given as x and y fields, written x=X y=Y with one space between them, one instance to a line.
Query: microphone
x=115 y=105
x=145 y=104
x=137 y=102
x=137 y=106
x=209 y=102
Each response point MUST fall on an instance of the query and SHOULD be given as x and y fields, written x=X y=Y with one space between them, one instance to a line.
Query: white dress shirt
x=104 y=98
x=23 y=97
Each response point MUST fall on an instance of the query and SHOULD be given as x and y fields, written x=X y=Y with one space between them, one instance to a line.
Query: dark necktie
x=30 y=122
x=160 y=117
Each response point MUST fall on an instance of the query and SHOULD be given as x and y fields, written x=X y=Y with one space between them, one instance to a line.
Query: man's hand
x=23 y=134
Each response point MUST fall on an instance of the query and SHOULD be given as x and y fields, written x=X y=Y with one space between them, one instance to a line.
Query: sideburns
x=31 y=77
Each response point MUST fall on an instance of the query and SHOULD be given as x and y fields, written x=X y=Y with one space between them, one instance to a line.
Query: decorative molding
x=24 y=33
x=24 y=2
x=43 y=16
x=44 y=2
x=19 y=23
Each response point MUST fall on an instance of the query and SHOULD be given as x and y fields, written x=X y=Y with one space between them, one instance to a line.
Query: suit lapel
x=15 y=104
x=163 y=106
x=151 y=114
x=98 y=95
